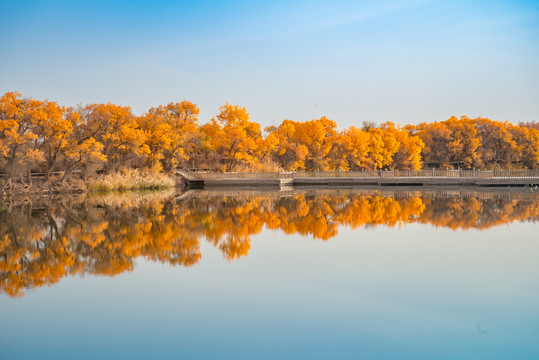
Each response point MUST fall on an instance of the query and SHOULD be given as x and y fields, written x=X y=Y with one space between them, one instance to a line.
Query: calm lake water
x=325 y=274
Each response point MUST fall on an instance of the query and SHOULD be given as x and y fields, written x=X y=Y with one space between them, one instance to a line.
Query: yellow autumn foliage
x=40 y=136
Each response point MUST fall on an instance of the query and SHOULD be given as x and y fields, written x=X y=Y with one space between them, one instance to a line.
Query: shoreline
x=416 y=178
x=186 y=180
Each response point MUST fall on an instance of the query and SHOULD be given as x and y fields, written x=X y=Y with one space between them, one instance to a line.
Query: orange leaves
x=41 y=136
x=527 y=140
x=116 y=128
x=382 y=147
x=317 y=145
x=478 y=143
x=19 y=140
x=287 y=152
x=172 y=134
x=408 y=148
x=497 y=145
x=234 y=137
x=319 y=138
x=356 y=144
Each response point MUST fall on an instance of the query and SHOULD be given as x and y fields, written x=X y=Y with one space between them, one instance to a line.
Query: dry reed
x=131 y=179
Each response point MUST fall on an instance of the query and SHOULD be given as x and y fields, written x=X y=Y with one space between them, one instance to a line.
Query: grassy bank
x=131 y=179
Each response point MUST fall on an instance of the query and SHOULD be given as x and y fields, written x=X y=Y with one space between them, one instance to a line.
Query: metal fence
x=372 y=174
x=43 y=175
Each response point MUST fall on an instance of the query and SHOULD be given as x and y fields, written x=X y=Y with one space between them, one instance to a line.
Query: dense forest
x=41 y=136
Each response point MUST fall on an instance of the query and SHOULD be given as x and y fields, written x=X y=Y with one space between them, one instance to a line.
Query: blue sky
x=353 y=61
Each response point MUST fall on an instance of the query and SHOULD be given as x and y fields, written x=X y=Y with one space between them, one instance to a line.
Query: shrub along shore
x=131 y=179
x=106 y=146
x=124 y=180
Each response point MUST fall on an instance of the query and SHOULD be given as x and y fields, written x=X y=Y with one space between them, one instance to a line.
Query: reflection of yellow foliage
x=103 y=237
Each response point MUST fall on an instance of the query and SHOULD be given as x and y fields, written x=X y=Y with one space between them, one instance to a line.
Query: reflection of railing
x=479 y=193
x=372 y=174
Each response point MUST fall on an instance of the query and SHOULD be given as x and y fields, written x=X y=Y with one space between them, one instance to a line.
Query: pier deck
x=432 y=177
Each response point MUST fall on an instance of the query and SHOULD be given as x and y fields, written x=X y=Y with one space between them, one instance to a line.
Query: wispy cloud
x=368 y=14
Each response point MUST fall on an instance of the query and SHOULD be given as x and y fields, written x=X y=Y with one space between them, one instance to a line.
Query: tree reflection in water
x=43 y=241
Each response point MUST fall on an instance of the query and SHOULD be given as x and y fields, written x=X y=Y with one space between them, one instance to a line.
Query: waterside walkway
x=433 y=177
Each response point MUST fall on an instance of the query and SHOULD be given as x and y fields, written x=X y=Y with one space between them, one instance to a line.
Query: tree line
x=43 y=136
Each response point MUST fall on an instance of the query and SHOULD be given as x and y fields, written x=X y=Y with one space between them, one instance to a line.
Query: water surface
x=297 y=274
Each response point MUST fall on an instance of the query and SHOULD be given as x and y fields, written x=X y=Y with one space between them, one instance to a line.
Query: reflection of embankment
x=43 y=241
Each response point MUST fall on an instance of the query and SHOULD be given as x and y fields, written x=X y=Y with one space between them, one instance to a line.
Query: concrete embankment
x=445 y=178
x=416 y=181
